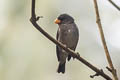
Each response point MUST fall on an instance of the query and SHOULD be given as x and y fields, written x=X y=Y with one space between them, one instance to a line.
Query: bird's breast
x=68 y=37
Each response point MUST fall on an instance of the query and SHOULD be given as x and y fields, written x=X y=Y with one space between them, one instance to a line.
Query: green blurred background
x=25 y=54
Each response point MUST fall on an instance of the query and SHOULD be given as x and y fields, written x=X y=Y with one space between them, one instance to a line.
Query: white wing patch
x=69 y=30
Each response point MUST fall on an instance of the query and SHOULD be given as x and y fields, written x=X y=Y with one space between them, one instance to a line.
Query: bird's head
x=63 y=19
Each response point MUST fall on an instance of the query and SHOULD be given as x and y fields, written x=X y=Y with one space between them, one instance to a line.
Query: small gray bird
x=68 y=35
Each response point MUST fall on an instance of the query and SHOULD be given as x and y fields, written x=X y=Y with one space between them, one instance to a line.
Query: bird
x=68 y=35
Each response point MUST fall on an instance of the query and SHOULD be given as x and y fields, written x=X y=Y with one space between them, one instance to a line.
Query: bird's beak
x=57 y=21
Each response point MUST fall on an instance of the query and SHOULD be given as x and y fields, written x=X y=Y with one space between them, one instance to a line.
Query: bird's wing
x=57 y=48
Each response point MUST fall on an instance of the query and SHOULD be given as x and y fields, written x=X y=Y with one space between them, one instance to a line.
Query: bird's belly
x=69 y=39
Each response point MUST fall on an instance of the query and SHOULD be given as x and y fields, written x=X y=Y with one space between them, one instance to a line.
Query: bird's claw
x=78 y=54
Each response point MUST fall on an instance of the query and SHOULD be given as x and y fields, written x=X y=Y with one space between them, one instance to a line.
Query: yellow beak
x=57 y=21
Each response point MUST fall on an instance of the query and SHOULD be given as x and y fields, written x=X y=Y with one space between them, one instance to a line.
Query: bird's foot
x=78 y=54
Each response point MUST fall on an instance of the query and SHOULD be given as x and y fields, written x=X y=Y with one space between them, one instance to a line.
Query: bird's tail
x=61 y=68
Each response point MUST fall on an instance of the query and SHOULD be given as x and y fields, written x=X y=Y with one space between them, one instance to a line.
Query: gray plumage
x=67 y=34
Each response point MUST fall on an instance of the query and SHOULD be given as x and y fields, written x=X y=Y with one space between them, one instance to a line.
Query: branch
x=109 y=69
x=71 y=52
x=115 y=5
x=98 y=21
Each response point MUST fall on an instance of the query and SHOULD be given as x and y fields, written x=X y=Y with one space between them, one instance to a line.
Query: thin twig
x=109 y=69
x=92 y=76
x=115 y=5
x=71 y=52
x=98 y=21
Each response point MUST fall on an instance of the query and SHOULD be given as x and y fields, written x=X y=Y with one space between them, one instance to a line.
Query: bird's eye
x=61 y=18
